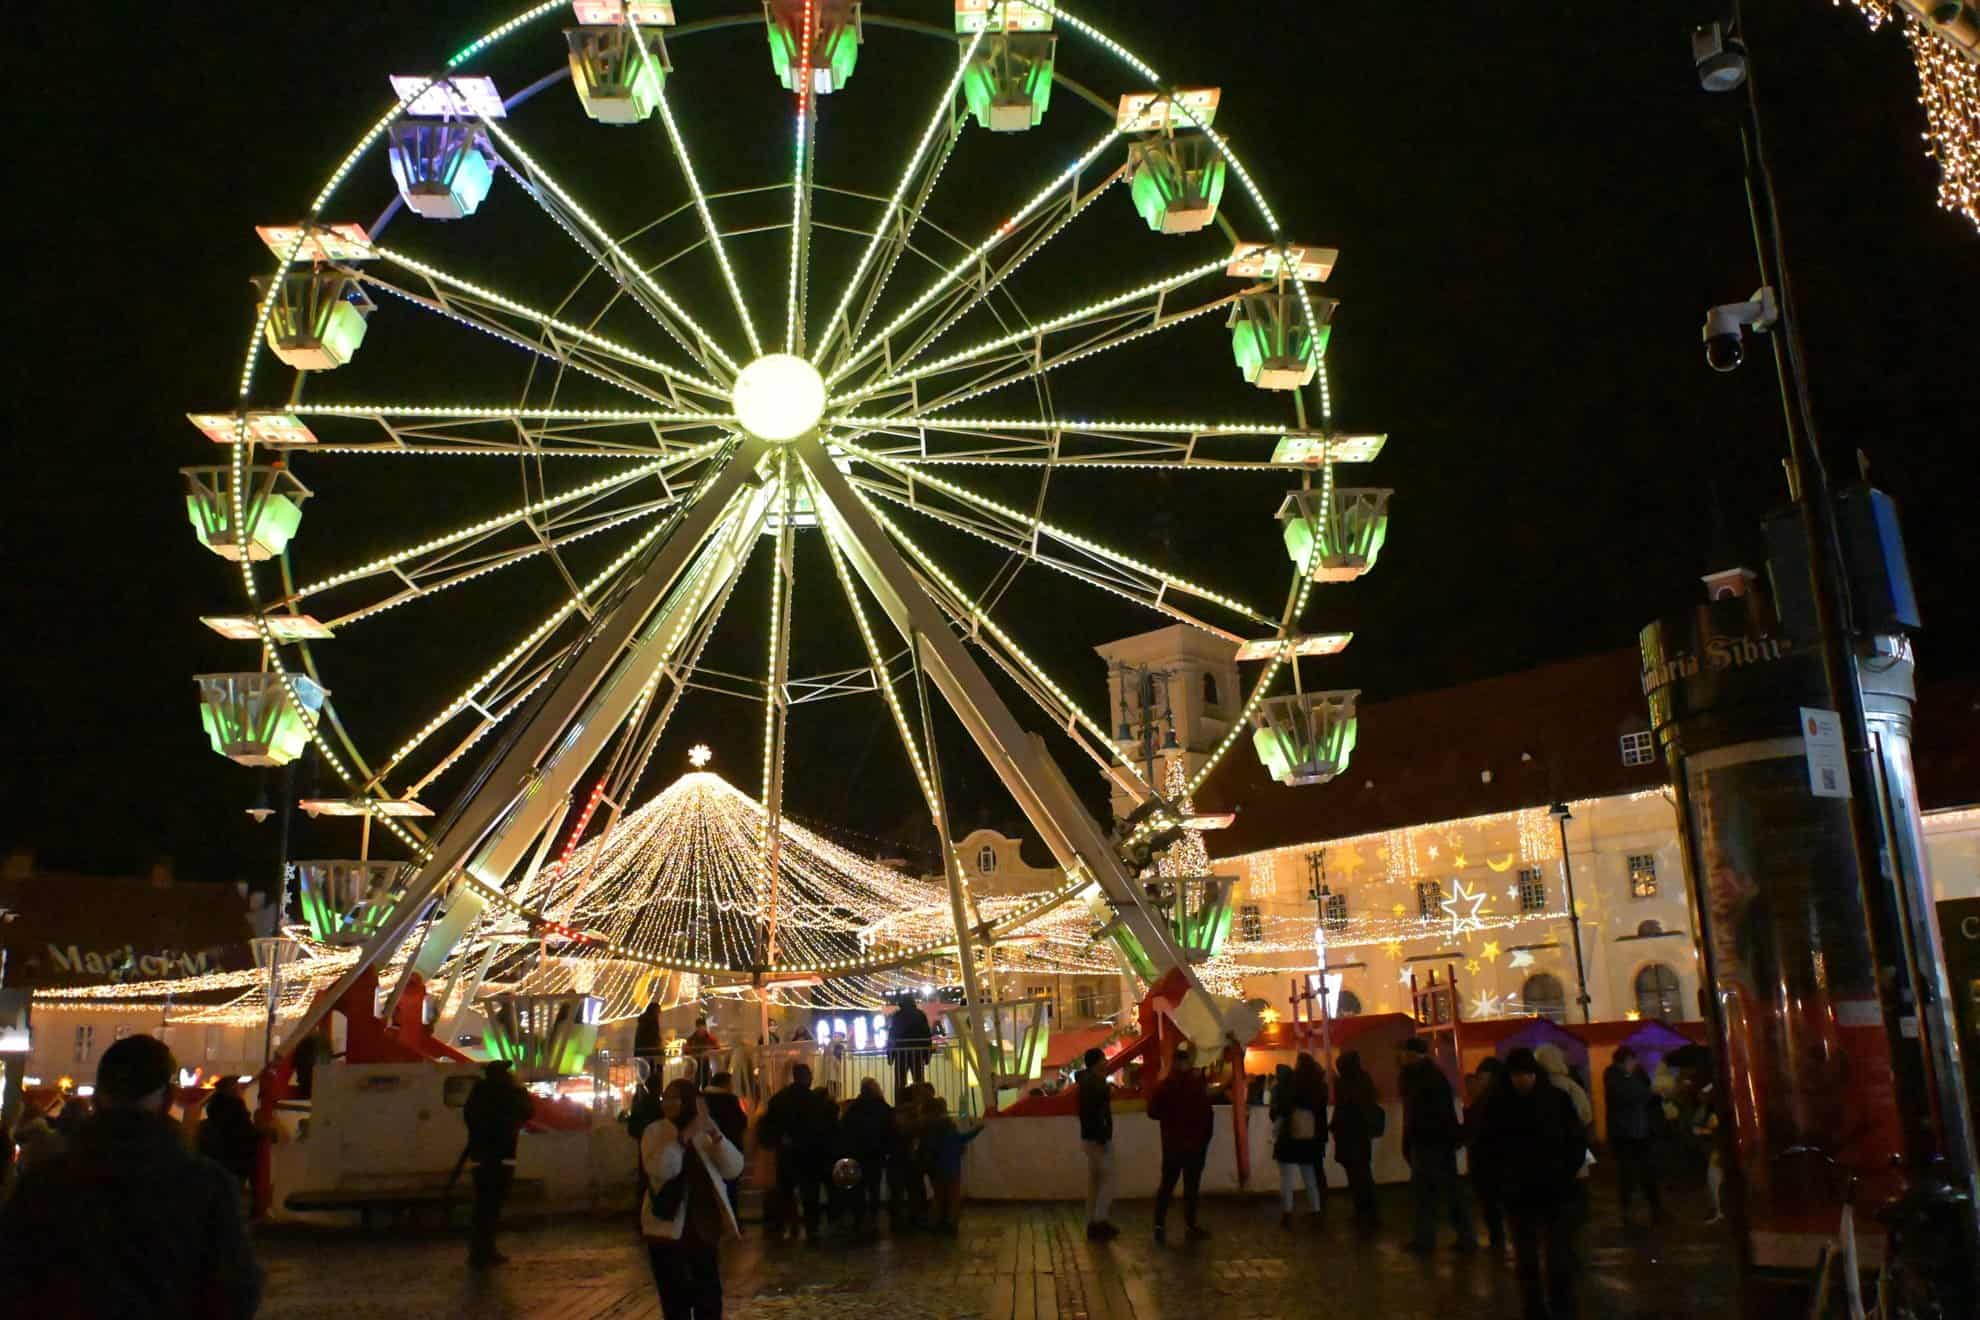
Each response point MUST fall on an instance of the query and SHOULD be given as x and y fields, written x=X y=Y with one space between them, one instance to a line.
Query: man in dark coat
x=908 y=1042
x=1357 y=1117
x=1181 y=1104
x=866 y=1134
x=128 y=1222
x=1431 y=1137
x=1096 y=1139
x=1532 y=1143
x=725 y=1108
x=1630 y=1101
x=798 y=1126
x=495 y=1112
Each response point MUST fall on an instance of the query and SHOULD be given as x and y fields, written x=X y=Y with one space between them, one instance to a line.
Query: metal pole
x=1562 y=816
x=1319 y=893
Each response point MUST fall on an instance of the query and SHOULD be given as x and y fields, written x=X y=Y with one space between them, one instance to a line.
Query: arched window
x=1657 y=994
x=1543 y=996
x=1210 y=690
x=986 y=859
x=1347 y=1004
x=1648 y=927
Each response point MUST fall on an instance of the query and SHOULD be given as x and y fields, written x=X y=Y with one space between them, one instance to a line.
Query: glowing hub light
x=779 y=397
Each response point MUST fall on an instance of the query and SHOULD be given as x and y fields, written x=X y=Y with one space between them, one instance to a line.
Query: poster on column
x=1807 y=1055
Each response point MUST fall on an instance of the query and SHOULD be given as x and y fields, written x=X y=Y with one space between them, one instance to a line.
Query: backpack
x=1378 y=1121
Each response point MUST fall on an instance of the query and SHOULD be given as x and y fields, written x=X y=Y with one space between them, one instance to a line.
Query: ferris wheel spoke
x=972 y=262
x=411 y=563
x=498 y=314
x=895 y=228
x=1104 y=323
x=1030 y=442
x=513 y=432
x=714 y=233
x=1030 y=535
x=806 y=141
x=1029 y=238
x=612 y=258
x=776 y=708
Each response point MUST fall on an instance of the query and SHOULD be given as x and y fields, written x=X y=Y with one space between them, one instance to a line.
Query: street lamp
x=271 y=954
x=1562 y=816
x=1316 y=870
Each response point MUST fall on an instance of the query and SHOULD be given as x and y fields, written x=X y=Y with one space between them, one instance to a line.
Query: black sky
x=1533 y=215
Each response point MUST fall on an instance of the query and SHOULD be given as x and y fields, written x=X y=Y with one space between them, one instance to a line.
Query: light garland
x=1187 y=857
x=1949 y=91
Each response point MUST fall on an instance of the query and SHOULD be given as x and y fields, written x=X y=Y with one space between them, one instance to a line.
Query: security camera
x=1725 y=328
x=1719 y=58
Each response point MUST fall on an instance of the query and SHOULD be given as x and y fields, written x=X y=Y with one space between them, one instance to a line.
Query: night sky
x=1533 y=215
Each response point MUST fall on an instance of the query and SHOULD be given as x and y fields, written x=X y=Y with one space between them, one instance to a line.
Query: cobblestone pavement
x=1011 y=1262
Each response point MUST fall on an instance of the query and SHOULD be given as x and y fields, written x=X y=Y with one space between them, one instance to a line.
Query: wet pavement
x=1011 y=1262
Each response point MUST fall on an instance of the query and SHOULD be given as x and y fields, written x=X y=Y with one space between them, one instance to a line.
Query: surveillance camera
x=1719 y=59
x=1725 y=328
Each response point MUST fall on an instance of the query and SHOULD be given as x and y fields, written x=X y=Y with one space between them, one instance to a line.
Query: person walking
x=866 y=1133
x=127 y=1221
x=1299 y=1143
x=1431 y=1137
x=689 y=1164
x=1554 y=1069
x=1181 y=1104
x=907 y=1188
x=1533 y=1143
x=226 y=1132
x=797 y=1126
x=942 y=1144
x=726 y=1109
x=1358 y=1120
x=495 y=1112
x=1477 y=1087
x=909 y=1041
x=1627 y=1092
x=1096 y=1141
x=700 y=1048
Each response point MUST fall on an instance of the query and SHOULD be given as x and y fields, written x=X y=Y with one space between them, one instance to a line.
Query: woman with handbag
x=687 y=1214
x=1299 y=1115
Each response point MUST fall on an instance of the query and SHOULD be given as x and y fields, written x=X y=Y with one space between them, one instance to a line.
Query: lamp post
x=1562 y=816
x=1316 y=869
x=271 y=954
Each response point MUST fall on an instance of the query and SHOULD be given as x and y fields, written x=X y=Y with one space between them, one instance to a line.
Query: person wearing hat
x=127 y=1221
x=495 y=1112
x=1530 y=1142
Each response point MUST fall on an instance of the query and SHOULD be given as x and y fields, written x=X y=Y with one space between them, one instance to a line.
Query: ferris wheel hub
x=779 y=397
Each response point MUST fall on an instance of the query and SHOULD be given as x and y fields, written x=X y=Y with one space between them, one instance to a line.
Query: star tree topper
x=699 y=755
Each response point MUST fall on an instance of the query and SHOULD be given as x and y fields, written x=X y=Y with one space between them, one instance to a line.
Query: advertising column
x=1791 y=987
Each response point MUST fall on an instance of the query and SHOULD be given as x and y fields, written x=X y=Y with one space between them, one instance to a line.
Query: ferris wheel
x=543 y=431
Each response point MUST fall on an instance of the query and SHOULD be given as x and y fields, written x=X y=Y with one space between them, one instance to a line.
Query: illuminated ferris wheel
x=831 y=374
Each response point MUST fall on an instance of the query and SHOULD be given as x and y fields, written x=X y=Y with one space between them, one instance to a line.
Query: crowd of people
x=1513 y=1154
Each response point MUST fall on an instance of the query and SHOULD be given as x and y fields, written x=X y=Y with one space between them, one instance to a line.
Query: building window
x=1642 y=875
x=1543 y=996
x=1638 y=749
x=1086 y=1000
x=1251 y=924
x=1210 y=691
x=1429 y=899
x=986 y=860
x=1648 y=927
x=1336 y=909
x=1532 y=890
x=1349 y=1005
x=85 y=1044
x=1657 y=994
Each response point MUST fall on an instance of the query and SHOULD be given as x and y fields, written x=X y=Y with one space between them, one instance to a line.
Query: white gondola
x=272 y=510
x=1340 y=543
x=543 y=1036
x=619 y=72
x=1272 y=342
x=1305 y=738
x=1176 y=183
x=1009 y=83
x=318 y=320
x=443 y=166
x=251 y=718
x=343 y=902
x=836 y=35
